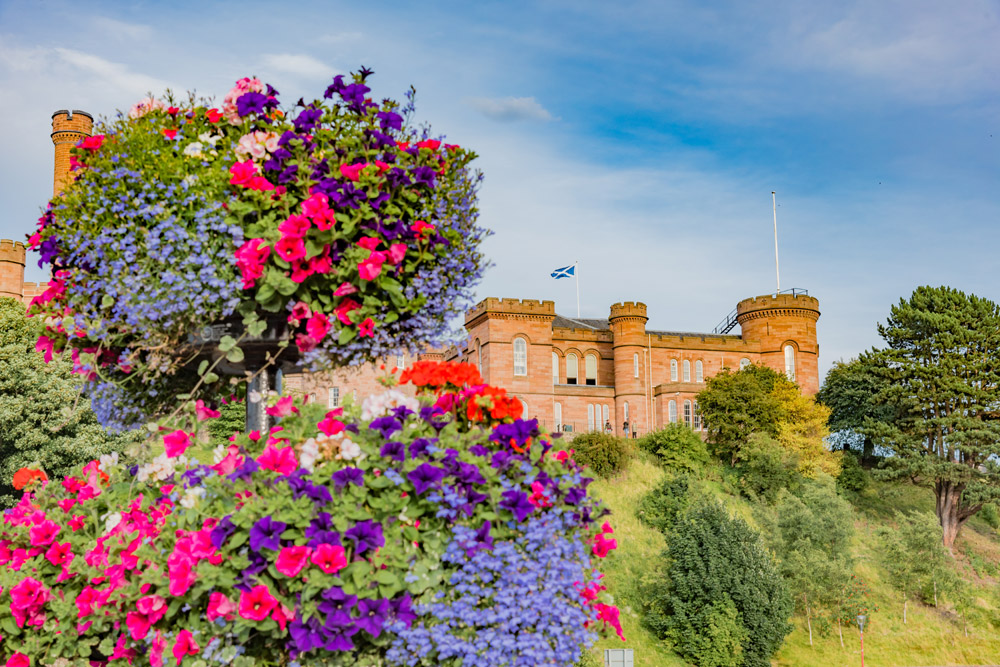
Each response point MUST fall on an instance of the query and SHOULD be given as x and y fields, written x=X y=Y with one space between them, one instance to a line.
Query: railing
x=729 y=322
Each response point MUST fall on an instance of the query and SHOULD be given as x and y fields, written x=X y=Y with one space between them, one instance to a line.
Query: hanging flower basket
x=337 y=216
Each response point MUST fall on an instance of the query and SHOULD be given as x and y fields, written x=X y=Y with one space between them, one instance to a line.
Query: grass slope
x=931 y=636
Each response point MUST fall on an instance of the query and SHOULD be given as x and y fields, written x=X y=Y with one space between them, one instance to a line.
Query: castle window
x=699 y=375
x=524 y=408
x=333 y=397
x=744 y=362
x=672 y=411
x=590 y=417
x=479 y=357
x=555 y=368
x=687 y=413
x=590 y=365
x=697 y=417
x=557 y=415
x=571 y=370
x=626 y=410
x=635 y=364
x=607 y=414
x=520 y=356
x=687 y=370
x=400 y=361
x=673 y=370
x=790 y=362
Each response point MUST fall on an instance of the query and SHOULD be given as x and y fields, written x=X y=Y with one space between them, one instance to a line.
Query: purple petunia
x=346 y=476
x=245 y=471
x=386 y=426
x=337 y=606
x=394 y=450
x=249 y=103
x=425 y=477
x=266 y=533
x=222 y=531
x=366 y=535
x=373 y=615
x=517 y=503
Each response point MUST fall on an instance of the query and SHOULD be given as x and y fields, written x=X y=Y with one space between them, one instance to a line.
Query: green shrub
x=721 y=645
x=677 y=447
x=232 y=419
x=852 y=476
x=607 y=455
x=711 y=558
x=764 y=468
x=989 y=515
x=661 y=507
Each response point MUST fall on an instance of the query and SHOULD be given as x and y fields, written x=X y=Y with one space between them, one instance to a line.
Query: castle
x=572 y=374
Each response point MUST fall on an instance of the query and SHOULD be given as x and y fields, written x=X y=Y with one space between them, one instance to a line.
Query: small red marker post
x=861 y=627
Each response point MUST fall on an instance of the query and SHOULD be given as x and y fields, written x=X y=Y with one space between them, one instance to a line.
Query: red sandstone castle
x=572 y=374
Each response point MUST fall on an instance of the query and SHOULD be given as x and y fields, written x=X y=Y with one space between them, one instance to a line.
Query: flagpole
x=777 y=275
x=576 y=273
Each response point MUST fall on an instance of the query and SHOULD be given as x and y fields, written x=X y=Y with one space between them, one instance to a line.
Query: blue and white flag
x=564 y=272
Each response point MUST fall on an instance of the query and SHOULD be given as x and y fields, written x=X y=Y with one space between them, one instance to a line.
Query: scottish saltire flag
x=564 y=272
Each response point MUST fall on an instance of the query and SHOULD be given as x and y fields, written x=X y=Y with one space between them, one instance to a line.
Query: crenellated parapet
x=12 y=260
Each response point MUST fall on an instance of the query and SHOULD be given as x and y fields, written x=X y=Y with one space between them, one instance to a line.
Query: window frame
x=687 y=412
x=686 y=370
x=699 y=371
x=672 y=411
x=673 y=370
x=523 y=368
x=587 y=380
x=572 y=360
x=332 y=397
x=789 y=351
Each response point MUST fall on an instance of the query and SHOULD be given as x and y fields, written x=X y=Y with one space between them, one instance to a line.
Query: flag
x=564 y=272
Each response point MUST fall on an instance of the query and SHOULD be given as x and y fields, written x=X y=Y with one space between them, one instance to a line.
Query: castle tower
x=628 y=328
x=784 y=325
x=68 y=129
x=12 y=259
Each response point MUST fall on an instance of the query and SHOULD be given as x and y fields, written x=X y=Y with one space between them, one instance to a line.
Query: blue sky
x=642 y=139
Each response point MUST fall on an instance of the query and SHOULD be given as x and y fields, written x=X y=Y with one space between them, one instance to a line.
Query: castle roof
x=579 y=323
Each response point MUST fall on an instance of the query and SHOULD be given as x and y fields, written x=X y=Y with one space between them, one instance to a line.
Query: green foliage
x=812 y=540
x=711 y=558
x=990 y=516
x=721 y=643
x=605 y=454
x=231 y=419
x=44 y=422
x=677 y=447
x=737 y=404
x=661 y=507
x=849 y=391
x=852 y=476
x=854 y=599
x=764 y=468
x=913 y=556
x=941 y=371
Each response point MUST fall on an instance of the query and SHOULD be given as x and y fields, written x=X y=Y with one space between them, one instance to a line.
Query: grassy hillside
x=931 y=636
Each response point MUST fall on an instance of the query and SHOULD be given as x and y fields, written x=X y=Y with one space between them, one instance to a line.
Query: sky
x=639 y=139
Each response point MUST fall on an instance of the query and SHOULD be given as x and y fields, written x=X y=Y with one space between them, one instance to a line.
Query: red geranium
x=26 y=476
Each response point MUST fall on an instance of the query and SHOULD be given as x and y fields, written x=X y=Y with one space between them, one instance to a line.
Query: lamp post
x=861 y=626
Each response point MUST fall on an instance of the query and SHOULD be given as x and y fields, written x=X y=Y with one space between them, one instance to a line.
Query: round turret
x=628 y=326
x=784 y=325
x=12 y=260
x=68 y=129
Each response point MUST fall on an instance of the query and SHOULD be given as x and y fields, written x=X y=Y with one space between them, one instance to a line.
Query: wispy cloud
x=510 y=108
x=116 y=28
x=112 y=74
x=298 y=64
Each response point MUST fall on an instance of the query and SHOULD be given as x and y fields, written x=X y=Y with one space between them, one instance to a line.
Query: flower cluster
x=334 y=219
x=395 y=530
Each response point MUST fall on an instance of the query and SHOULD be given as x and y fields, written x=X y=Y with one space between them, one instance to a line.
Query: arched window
x=400 y=361
x=479 y=357
x=571 y=370
x=635 y=364
x=672 y=411
x=557 y=415
x=673 y=370
x=333 y=397
x=590 y=416
x=607 y=414
x=555 y=368
x=520 y=356
x=590 y=365
x=687 y=370
x=790 y=362
x=699 y=374
x=697 y=417
x=687 y=412
x=744 y=362
x=625 y=410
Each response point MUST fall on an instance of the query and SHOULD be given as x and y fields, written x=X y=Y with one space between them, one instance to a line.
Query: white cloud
x=116 y=28
x=111 y=73
x=297 y=64
x=510 y=108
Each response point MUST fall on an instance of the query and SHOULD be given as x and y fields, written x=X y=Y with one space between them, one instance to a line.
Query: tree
x=803 y=431
x=941 y=369
x=677 y=447
x=736 y=404
x=718 y=565
x=913 y=556
x=813 y=539
x=849 y=392
x=43 y=420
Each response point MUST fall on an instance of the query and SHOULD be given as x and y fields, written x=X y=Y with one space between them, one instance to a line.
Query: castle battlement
x=516 y=307
x=635 y=309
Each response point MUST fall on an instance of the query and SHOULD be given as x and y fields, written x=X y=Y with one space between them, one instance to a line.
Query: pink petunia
x=290 y=248
x=330 y=558
x=318 y=326
x=282 y=615
x=257 y=603
x=44 y=533
x=422 y=228
x=343 y=311
x=219 y=606
x=369 y=269
x=185 y=645
x=251 y=258
x=397 y=251
x=77 y=522
x=181 y=573
x=294 y=225
x=345 y=289
x=283 y=408
x=60 y=554
x=242 y=173
x=291 y=560
x=331 y=425
x=368 y=242
x=176 y=443
x=300 y=311
x=203 y=412
x=281 y=460
x=352 y=172
x=156 y=650
x=92 y=143
x=45 y=345
x=367 y=328
x=18 y=660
